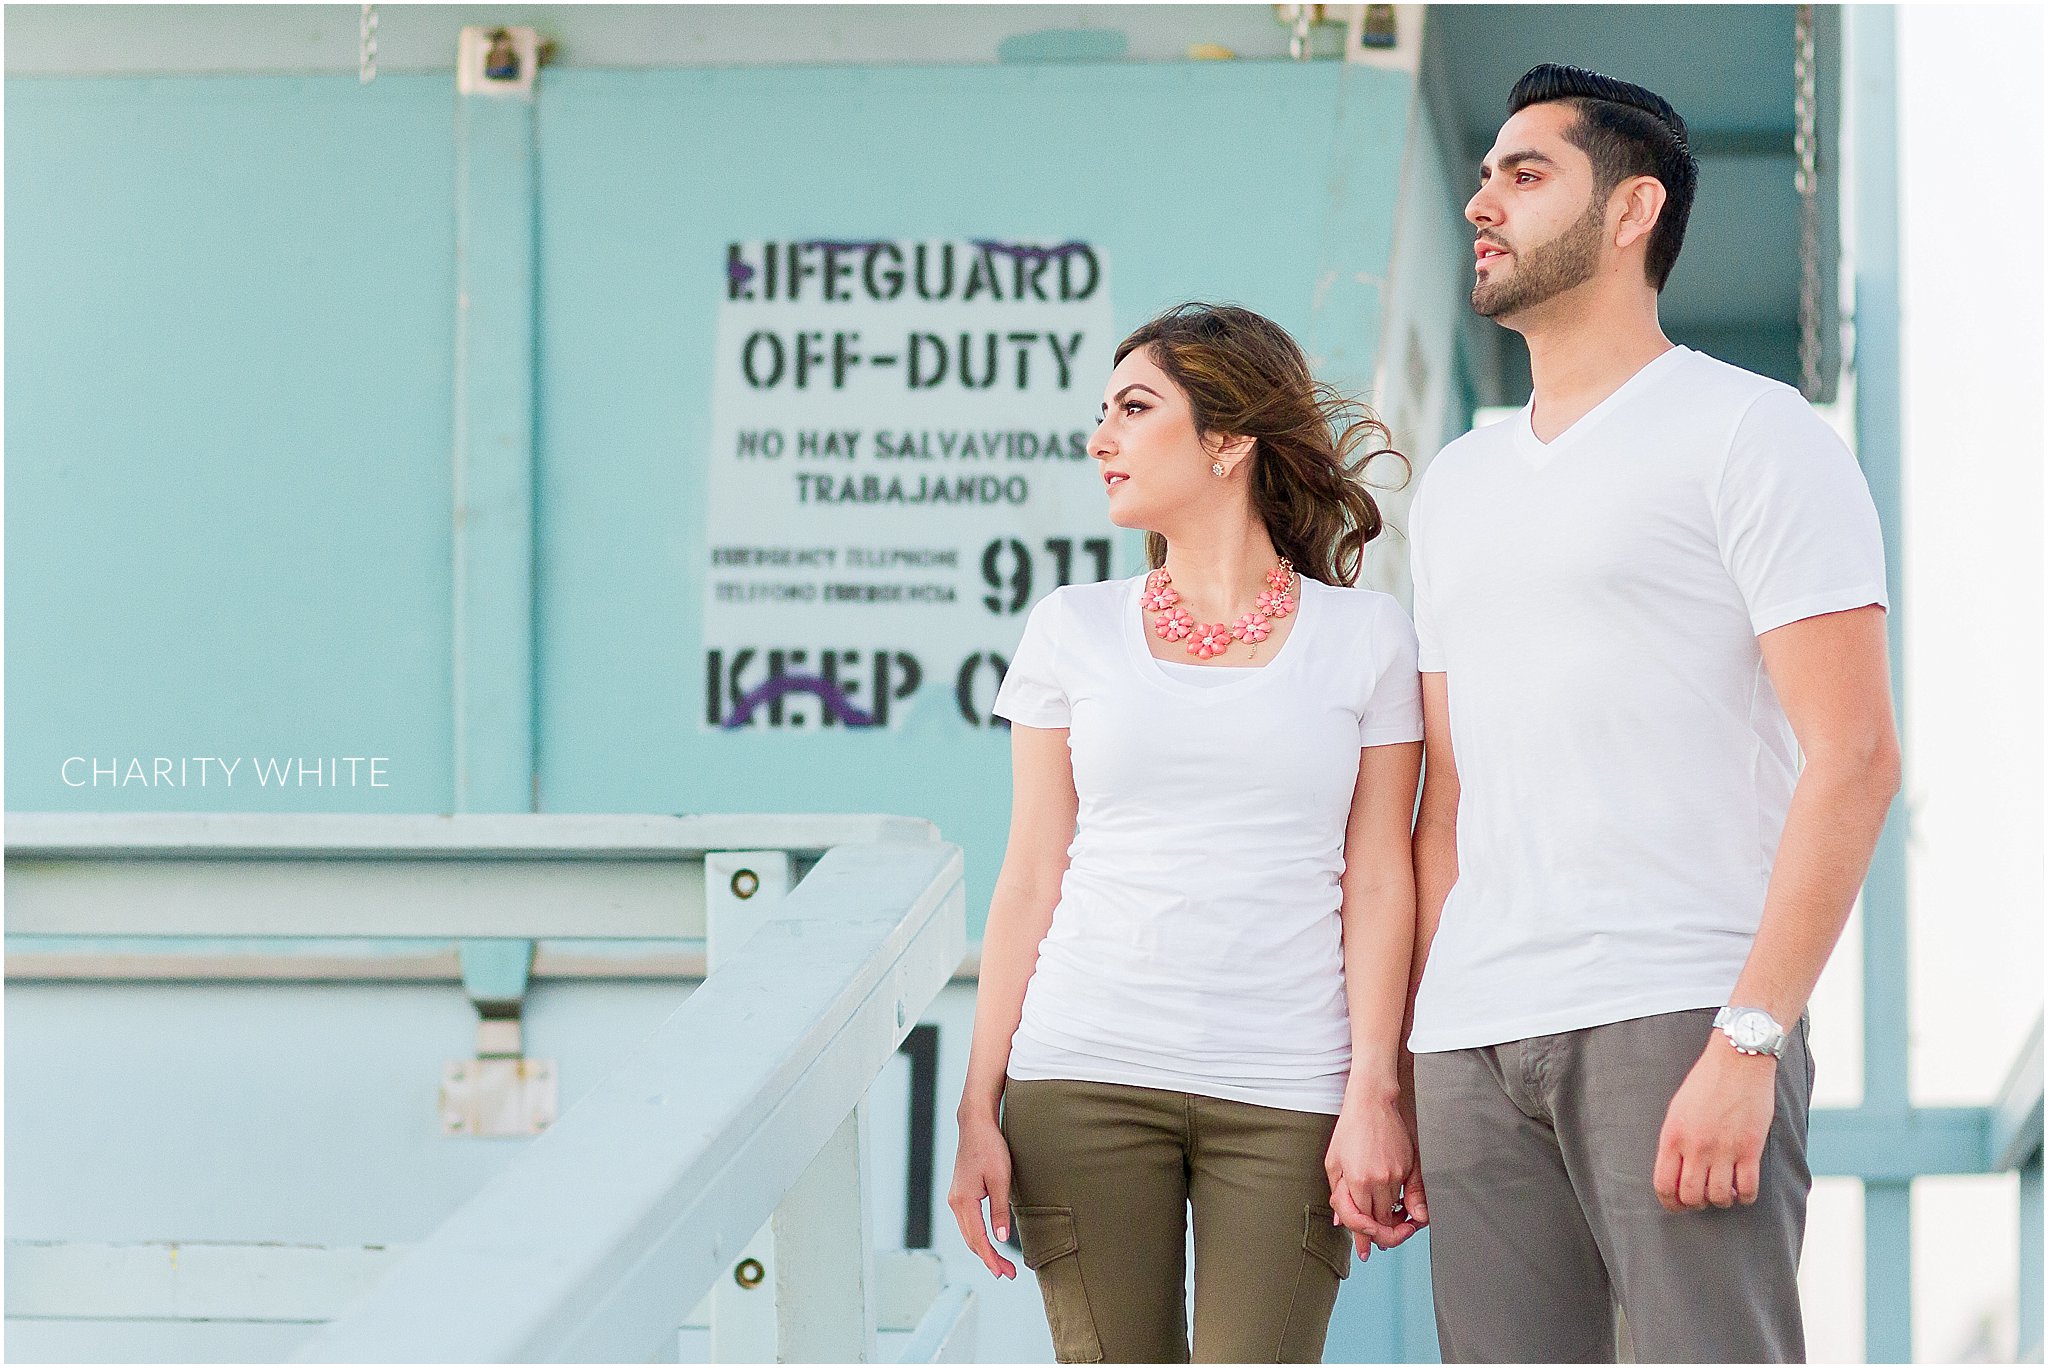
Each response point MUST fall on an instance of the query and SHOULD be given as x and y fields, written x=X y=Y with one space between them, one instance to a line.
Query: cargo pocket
x=1330 y=1243
x=1052 y=1251
x=1324 y=1263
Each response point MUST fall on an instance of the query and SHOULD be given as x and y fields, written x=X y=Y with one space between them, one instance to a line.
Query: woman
x=1196 y=959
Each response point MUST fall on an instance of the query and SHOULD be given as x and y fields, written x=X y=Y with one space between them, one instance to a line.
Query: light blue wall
x=228 y=311
x=229 y=420
x=194 y=1137
x=1419 y=393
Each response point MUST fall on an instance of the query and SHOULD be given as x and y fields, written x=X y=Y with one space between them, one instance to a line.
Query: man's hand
x=1711 y=1150
x=1412 y=1195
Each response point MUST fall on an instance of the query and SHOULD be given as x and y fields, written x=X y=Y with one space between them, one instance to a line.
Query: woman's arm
x=1042 y=810
x=1379 y=915
x=1043 y=806
x=1370 y=1153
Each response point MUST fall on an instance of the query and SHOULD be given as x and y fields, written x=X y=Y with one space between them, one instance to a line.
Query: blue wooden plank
x=496 y=971
x=1884 y=1146
x=1888 y=1272
x=1870 y=76
x=324 y=947
x=1870 y=82
x=494 y=440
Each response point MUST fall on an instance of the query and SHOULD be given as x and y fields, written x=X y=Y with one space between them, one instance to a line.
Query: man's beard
x=1565 y=262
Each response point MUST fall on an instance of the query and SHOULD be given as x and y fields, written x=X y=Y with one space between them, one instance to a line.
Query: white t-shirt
x=1197 y=944
x=1624 y=766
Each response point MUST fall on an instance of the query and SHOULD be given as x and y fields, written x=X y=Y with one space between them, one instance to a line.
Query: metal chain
x=1806 y=179
x=366 y=51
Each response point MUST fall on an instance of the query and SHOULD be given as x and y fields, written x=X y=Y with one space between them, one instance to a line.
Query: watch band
x=1751 y=1030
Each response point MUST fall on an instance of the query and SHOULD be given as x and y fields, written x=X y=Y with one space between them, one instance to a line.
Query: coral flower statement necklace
x=1173 y=623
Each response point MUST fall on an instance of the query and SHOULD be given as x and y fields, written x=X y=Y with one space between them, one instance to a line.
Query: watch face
x=1752 y=1030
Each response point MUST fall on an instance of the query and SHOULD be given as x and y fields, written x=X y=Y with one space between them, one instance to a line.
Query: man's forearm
x=1831 y=830
x=1436 y=870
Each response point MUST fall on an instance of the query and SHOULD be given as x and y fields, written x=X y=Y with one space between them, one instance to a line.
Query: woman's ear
x=1234 y=452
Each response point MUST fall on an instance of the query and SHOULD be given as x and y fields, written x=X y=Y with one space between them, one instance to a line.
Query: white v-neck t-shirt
x=1197 y=944
x=1624 y=766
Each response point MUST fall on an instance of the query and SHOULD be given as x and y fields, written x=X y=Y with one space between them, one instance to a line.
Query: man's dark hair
x=1626 y=131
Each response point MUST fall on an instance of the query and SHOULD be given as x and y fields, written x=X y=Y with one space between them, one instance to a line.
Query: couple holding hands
x=1555 y=1011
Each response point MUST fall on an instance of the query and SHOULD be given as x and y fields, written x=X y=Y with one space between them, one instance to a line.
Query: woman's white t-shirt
x=1197 y=944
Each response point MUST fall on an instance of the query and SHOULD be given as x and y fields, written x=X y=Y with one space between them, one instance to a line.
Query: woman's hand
x=982 y=1170
x=1370 y=1160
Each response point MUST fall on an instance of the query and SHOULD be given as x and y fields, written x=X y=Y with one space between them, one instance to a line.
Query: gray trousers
x=1538 y=1158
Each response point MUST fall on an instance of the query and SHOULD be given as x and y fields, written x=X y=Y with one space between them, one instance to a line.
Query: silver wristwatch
x=1751 y=1030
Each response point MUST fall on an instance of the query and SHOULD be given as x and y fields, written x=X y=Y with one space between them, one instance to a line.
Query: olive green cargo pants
x=1104 y=1176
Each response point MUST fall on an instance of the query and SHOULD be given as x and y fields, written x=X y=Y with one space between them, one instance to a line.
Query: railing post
x=1869 y=90
x=803 y=1289
x=1887 y=1270
x=2030 y=1261
x=743 y=889
x=824 y=1294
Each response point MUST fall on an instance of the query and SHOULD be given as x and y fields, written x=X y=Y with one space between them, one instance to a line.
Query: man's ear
x=1642 y=204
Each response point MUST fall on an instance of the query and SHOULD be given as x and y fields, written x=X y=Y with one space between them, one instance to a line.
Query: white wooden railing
x=717 y=1174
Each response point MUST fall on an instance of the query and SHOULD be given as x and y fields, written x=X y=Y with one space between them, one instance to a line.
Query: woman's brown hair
x=1245 y=377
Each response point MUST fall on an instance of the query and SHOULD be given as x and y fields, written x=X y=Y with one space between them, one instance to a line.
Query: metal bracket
x=497 y=61
x=499 y=1092
x=1382 y=35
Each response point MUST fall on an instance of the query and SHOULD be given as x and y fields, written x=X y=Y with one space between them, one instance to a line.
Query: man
x=1638 y=601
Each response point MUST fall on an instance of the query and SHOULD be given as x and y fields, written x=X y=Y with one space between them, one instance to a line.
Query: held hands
x=1375 y=1175
x=982 y=1170
x=1711 y=1150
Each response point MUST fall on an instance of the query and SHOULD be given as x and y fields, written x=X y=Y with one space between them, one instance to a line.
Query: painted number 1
x=1006 y=565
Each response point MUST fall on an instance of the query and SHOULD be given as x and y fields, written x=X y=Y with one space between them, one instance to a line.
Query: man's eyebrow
x=1133 y=386
x=1524 y=157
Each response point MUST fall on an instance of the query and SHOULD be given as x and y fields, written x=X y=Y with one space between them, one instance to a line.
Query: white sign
x=899 y=469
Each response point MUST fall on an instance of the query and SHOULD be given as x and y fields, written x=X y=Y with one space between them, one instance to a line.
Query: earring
x=1216 y=469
